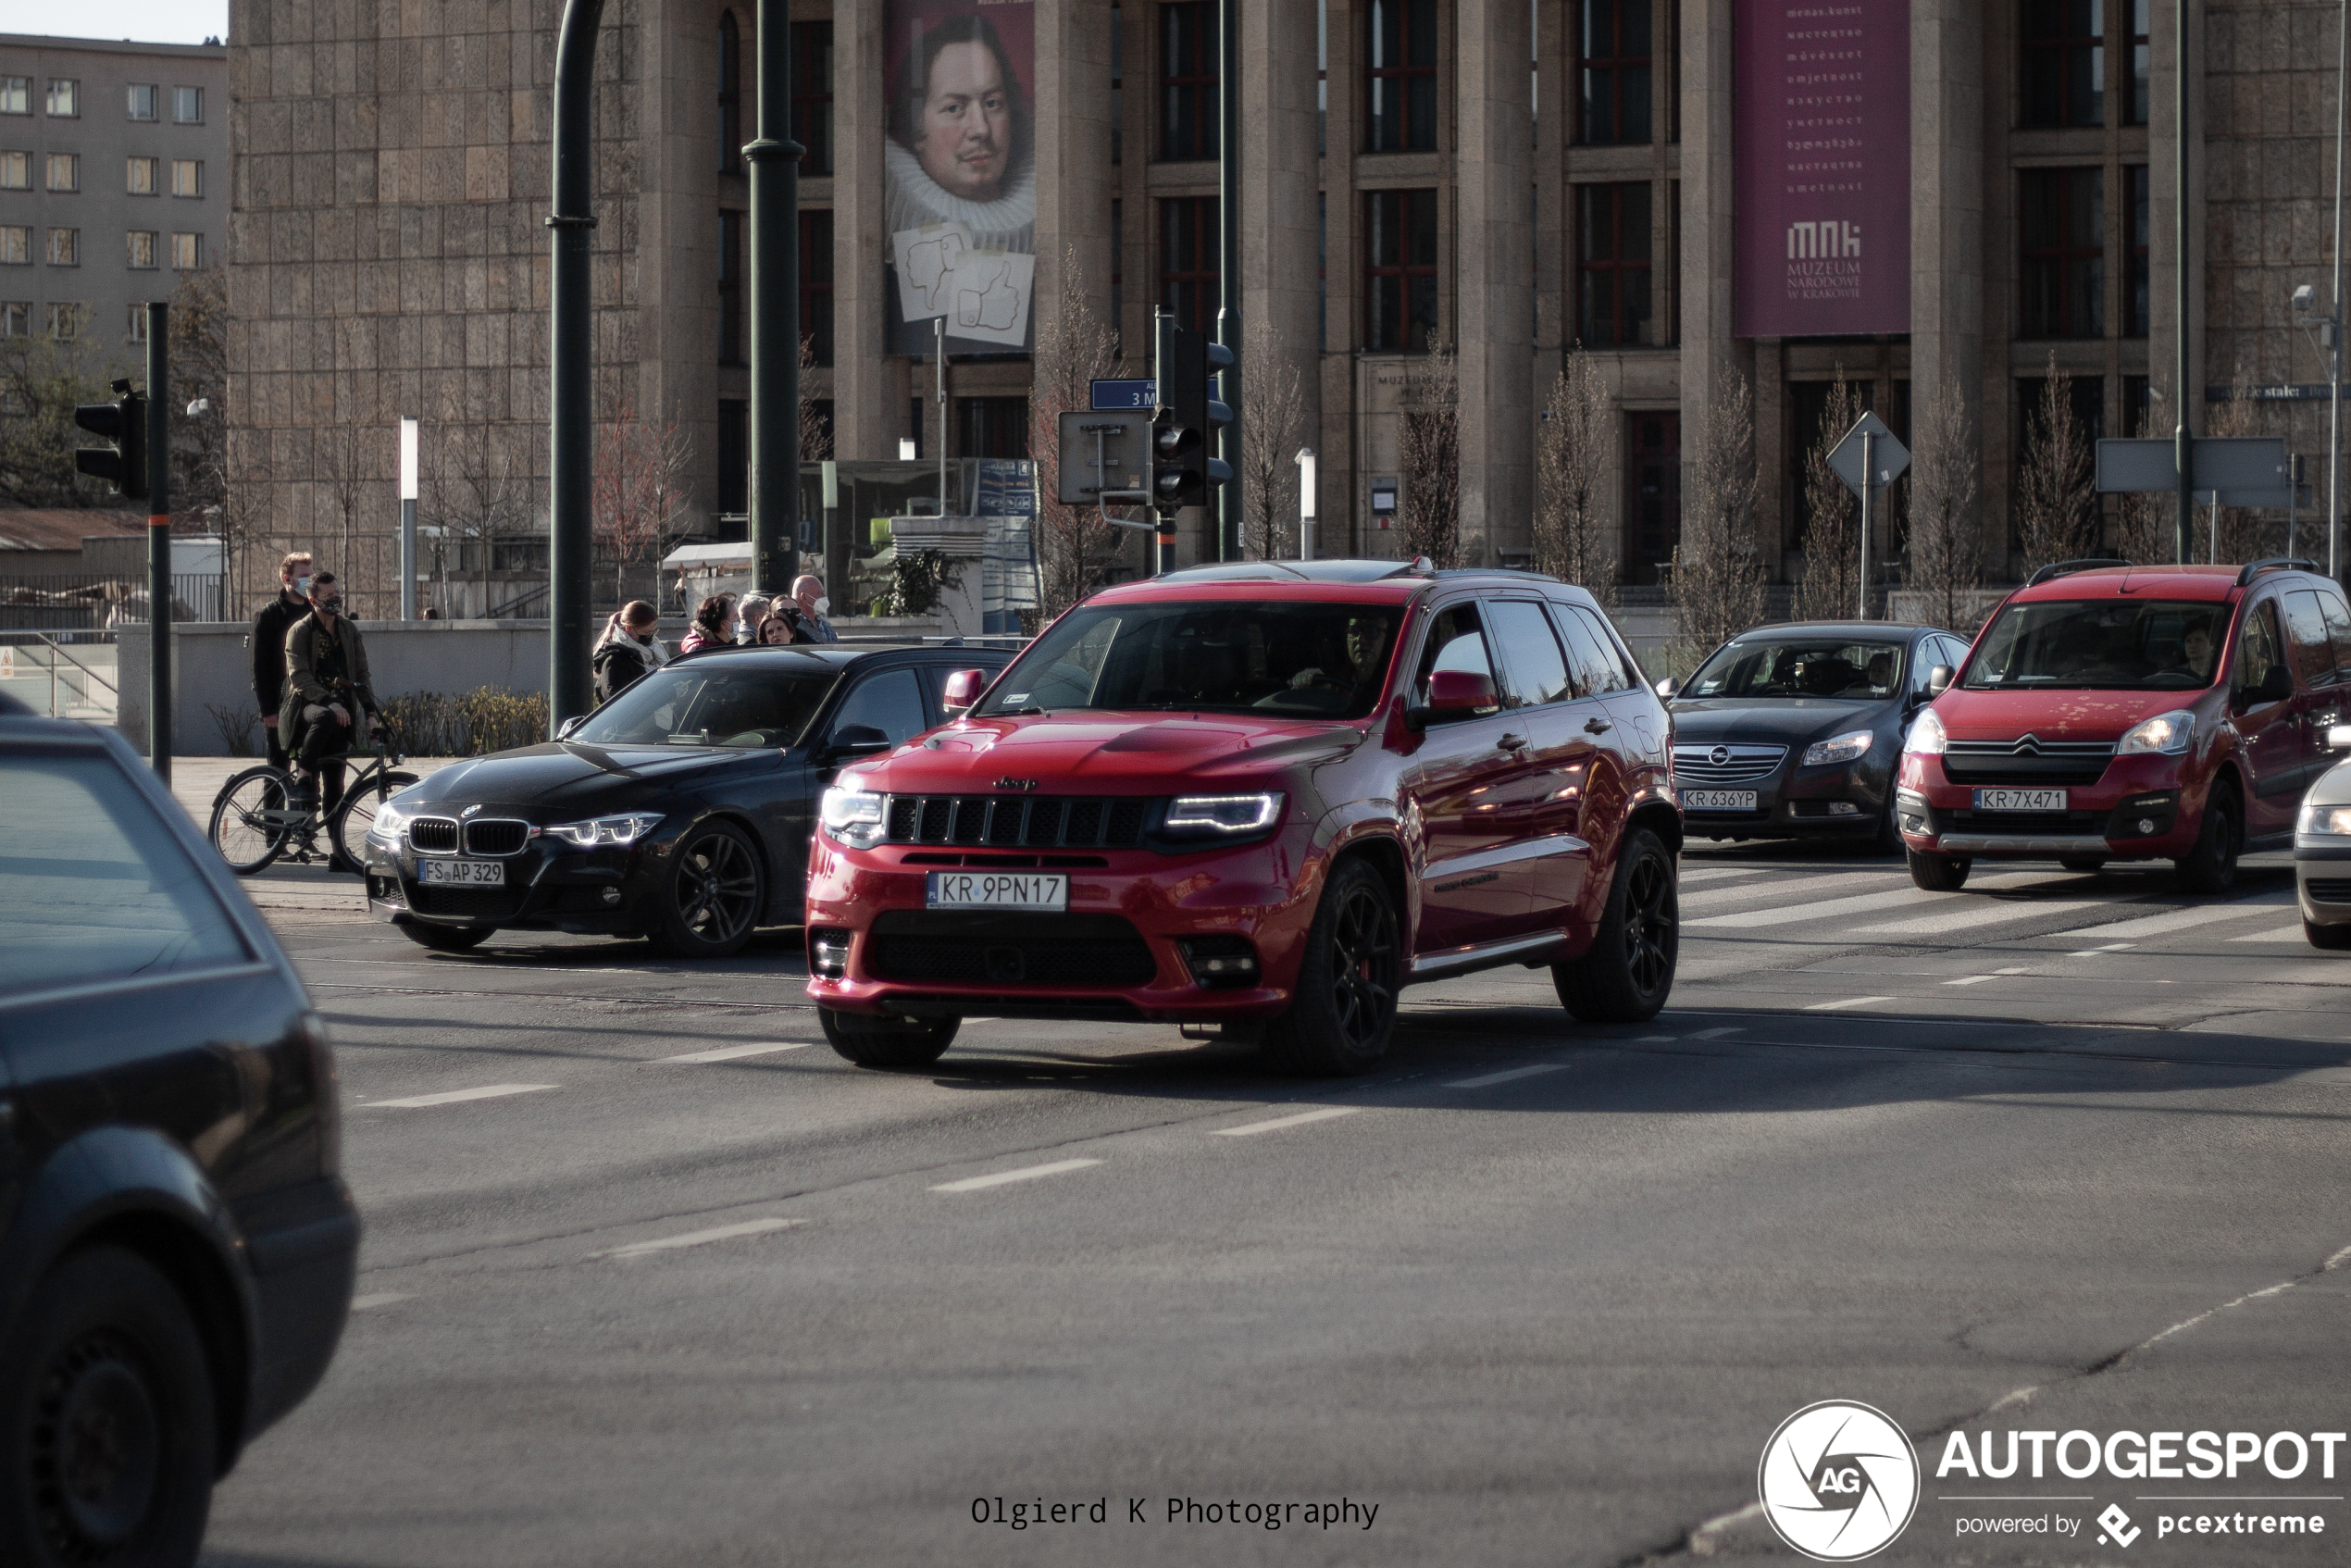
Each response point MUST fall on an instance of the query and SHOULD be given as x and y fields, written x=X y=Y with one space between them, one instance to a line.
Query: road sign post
x=1868 y=459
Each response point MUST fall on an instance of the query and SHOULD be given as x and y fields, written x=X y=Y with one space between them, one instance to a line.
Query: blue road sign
x=1133 y=393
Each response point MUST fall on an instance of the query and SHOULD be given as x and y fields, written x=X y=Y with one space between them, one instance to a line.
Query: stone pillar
x=1493 y=248
x=1073 y=155
x=1948 y=134
x=1710 y=355
x=869 y=391
x=1279 y=232
x=2163 y=199
x=1343 y=527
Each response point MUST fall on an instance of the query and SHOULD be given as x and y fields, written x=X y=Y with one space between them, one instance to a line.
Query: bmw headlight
x=391 y=821
x=1841 y=748
x=853 y=816
x=1926 y=736
x=2165 y=735
x=1219 y=817
x=2324 y=819
x=603 y=832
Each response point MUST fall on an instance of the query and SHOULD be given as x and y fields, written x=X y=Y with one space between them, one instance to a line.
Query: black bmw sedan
x=1796 y=729
x=679 y=810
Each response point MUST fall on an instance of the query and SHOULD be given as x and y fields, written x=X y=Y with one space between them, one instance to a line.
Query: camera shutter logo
x=1838 y=1481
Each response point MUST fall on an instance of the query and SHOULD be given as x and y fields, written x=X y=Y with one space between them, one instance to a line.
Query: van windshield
x=1317 y=660
x=2106 y=645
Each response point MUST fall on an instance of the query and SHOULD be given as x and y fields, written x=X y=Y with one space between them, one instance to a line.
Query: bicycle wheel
x=358 y=813
x=250 y=820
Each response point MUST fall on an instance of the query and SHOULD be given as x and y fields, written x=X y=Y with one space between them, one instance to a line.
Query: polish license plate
x=463 y=873
x=997 y=890
x=2019 y=800
x=1718 y=799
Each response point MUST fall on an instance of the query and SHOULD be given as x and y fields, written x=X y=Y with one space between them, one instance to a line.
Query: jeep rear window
x=1312 y=660
x=2102 y=644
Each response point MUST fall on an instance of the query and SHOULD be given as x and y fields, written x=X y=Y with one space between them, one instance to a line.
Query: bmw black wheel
x=1344 y=1011
x=1628 y=972
x=715 y=890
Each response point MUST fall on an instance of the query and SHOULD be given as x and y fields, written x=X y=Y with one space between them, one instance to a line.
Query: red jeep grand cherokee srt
x=2112 y=712
x=1264 y=797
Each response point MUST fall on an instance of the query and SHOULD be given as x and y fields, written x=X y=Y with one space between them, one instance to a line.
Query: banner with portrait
x=959 y=174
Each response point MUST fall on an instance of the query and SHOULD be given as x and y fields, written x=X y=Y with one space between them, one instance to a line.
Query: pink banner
x=1822 y=137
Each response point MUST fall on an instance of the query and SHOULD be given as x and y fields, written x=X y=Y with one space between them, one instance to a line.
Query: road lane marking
x=1911 y=898
x=1030 y=1173
x=1716 y=1034
x=1847 y=1002
x=727 y=1053
x=698 y=1238
x=2293 y=933
x=2186 y=919
x=1993 y=912
x=1655 y=1040
x=2096 y=952
x=1995 y=975
x=1278 y=1123
x=454 y=1096
x=380 y=1299
x=1507 y=1076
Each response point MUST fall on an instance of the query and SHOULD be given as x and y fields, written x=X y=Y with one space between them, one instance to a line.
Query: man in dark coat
x=266 y=645
x=329 y=705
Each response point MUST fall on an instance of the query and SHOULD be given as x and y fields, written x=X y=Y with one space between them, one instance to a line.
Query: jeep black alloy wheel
x=716 y=892
x=887 y=1042
x=1628 y=972
x=1344 y=1011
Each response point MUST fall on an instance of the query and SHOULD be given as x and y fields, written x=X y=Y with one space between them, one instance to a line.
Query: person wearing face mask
x=267 y=646
x=627 y=649
x=808 y=598
x=327 y=695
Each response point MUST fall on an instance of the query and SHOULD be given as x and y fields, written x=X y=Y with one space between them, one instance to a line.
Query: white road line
x=1808 y=886
x=1829 y=909
x=1716 y=1034
x=1992 y=912
x=2185 y=919
x=974 y=1184
x=2282 y=934
x=2097 y=951
x=1655 y=1040
x=1847 y=1002
x=698 y=1238
x=1995 y=975
x=727 y=1054
x=1507 y=1076
x=1716 y=873
x=1278 y=1123
x=380 y=1299
x=454 y=1096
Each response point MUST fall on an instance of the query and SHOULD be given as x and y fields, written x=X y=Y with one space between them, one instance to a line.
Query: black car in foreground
x=177 y=1246
x=1795 y=729
x=679 y=810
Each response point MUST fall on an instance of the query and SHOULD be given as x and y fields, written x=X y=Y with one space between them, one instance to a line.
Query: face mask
x=332 y=603
x=823 y=603
x=645 y=637
x=301 y=585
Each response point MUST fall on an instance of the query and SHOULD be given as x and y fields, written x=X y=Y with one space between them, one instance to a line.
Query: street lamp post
x=1305 y=502
x=408 y=520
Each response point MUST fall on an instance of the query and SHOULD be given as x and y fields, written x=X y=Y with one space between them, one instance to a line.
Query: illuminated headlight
x=389 y=823
x=2324 y=819
x=605 y=832
x=853 y=816
x=1926 y=736
x=1843 y=748
x=1221 y=817
x=2165 y=735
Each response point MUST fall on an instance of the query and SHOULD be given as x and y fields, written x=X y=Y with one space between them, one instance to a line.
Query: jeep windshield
x=1795 y=666
x=709 y=704
x=1312 y=660
x=2104 y=644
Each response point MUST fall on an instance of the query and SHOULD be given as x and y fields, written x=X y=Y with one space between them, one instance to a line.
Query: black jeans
x=278 y=757
x=325 y=737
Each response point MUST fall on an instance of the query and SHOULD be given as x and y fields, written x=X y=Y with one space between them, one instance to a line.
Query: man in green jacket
x=326 y=694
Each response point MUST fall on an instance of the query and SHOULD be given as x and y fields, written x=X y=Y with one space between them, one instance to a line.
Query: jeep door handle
x=1511 y=743
x=1597 y=726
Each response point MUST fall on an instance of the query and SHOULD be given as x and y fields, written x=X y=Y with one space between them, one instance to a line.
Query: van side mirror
x=563 y=730
x=856 y=741
x=2274 y=687
x=963 y=687
x=1939 y=680
x=1667 y=687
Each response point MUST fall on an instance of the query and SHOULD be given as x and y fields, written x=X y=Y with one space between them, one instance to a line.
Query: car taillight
x=327 y=1092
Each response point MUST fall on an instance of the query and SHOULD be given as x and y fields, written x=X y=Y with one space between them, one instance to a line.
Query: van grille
x=2026 y=760
x=1051 y=822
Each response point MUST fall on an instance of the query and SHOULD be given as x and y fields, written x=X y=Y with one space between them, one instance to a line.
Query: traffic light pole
x=158 y=456
x=1228 y=231
x=775 y=313
x=571 y=470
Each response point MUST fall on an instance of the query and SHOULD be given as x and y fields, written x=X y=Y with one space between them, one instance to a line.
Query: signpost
x=2229 y=471
x=1867 y=459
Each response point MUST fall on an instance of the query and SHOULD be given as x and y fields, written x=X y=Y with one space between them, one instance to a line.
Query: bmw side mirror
x=1939 y=680
x=562 y=731
x=857 y=741
x=1667 y=687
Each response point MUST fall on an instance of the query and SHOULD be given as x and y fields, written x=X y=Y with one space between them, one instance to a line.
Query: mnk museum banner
x=1821 y=138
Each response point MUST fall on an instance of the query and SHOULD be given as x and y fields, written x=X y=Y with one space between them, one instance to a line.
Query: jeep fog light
x=828 y=952
x=1220 y=961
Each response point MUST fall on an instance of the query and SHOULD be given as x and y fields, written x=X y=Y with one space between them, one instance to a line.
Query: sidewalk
x=282 y=889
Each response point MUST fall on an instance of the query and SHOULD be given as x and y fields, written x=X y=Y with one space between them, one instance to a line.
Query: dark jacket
x=267 y=644
x=304 y=685
x=618 y=666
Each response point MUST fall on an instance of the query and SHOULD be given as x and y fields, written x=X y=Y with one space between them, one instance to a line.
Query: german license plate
x=2019 y=800
x=997 y=890
x=463 y=873
x=1718 y=799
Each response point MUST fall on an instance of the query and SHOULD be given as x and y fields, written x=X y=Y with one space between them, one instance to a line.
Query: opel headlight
x=1843 y=748
x=603 y=832
x=389 y=823
x=2165 y=735
x=1221 y=817
x=2324 y=819
x=1926 y=736
x=853 y=816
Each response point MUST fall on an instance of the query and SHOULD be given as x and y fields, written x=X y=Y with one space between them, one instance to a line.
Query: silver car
x=2322 y=852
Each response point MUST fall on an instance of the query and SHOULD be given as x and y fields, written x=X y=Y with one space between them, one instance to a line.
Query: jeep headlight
x=1926 y=736
x=1841 y=748
x=2324 y=819
x=2165 y=735
x=603 y=832
x=1221 y=818
x=853 y=816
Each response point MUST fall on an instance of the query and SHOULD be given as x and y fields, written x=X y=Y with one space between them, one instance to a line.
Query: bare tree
x=476 y=489
x=1831 y=586
x=42 y=381
x=2144 y=521
x=207 y=490
x=1075 y=548
x=1716 y=580
x=815 y=436
x=1431 y=447
x=2056 y=507
x=640 y=486
x=338 y=457
x=1947 y=542
x=1576 y=536
x=1273 y=420
x=2244 y=533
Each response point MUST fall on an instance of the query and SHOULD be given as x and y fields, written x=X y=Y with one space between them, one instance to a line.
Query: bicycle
x=252 y=825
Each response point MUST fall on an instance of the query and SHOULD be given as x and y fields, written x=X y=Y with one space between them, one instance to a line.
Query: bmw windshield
x=703 y=704
x=2105 y=644
x=1312 y=660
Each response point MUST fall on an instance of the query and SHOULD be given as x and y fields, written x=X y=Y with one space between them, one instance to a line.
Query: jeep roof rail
x=2066 y=568
x=2275 y=563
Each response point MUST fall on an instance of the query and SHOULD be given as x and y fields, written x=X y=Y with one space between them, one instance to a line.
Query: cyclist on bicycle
x=327 y=692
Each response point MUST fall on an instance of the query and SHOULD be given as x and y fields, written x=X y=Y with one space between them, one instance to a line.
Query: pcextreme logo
x=1838 y=1481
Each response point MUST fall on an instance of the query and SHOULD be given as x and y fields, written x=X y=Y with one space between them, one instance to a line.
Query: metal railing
x=41 y=671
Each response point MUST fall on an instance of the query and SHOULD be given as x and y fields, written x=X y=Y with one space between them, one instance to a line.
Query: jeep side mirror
x=963 y=687
x=1667 y=687
x=1939 y=680
x=1458 y=693
x=563 y=730
x=856 y=741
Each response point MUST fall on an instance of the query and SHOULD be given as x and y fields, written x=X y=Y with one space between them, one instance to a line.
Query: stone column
x=1343 y=528
x=1494 y=251
x=1948 y=135
x=869 y=391
x=1279 y=230
x=1710 y=355
x=2163 y=204
x=1073 y=155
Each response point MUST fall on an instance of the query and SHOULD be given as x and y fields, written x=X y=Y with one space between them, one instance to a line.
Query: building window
x=187 y=106
x=2141 y=104
x=16 y=318
x=2142 y=302
x=139 y=101
x=135 y=323
x=1187 y=80
x=187 y=252
x=918 y=423
x=16 y=95
x=65 y=99
x=64 y=172
x=734 y=456
x=2064 y=63
x=731 y=95
x=1614 y=308
x=1400 y=76
x=1189 y=261
x=1117 y=87
x=187 y=177
x=1653 y=493
x=992 y=427
x=16 y=244
x=817 y=282
x=2063 y=269
x=1117 y=276
x=812 y=94
x=138 y=176
x=16 y=171
x=65 y=247
x=731 y=287
x=138 y=247
x=1399 y=272
x=64 y=322
x=1612 y=71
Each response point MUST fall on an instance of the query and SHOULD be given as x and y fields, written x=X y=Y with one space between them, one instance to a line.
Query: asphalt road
x=651 y=1276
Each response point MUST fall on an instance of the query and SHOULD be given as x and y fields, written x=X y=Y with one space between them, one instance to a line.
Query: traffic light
x=1186 y=419
x=122 y=422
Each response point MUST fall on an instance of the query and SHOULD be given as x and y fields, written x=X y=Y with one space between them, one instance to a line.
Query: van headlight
x=853 y=816
x=1926 y=736
x=1843 y=748
x=603 y=832
x=1220 y=819
x=2164 y=735
x=2325 y=820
